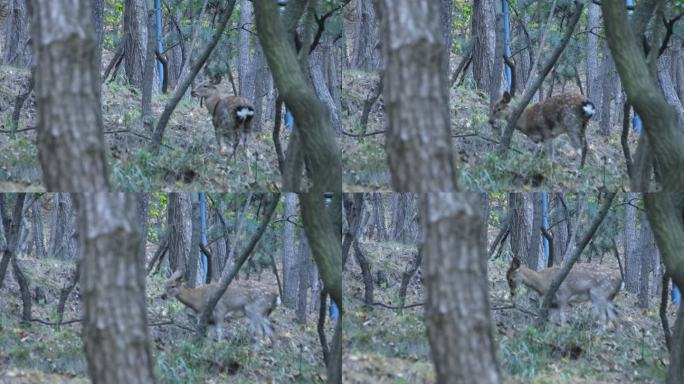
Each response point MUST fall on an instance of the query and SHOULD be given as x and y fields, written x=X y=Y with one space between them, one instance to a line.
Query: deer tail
x=588 y=109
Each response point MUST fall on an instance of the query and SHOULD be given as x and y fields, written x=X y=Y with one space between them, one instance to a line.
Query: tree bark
x=660 y=119
x=418 y=140
x=310 y=114
x=457 y=311
x=484 y=38
x=632 y=262
x=135 y=37
x=70 y=130
x=17 y=48
x=115 y=332
x=291 y=274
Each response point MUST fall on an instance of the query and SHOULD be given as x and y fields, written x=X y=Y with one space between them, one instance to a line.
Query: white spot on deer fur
x=589 y=109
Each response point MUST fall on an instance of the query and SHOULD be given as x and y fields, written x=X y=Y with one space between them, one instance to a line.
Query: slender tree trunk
x=291 y=274
x=632 y=261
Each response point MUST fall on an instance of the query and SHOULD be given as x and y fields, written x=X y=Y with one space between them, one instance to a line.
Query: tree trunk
x=535 y=257
x=303 y=279
x=520 y=226
x=418 y=141
x=194 y=275
x=317 y=137
x=364 y=56
x=632 y=261
x=97 y=7
x=115 y=333
x=245 y=67
x=365 y=272
x=457 y=313
x=135 y=35
x=660 y=119
x=647 y=253
x=70 y=130
x=147 y=80
x=12 y=228
x=484 y=37
x=17 y=48
x=291 y=274
x=38 y=232
x=592 y=71
x=665 y=211
x=180 y=227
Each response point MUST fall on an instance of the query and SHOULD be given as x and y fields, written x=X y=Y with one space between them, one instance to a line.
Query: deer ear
x=216 y=79
x=515 y=263
x=506 y=97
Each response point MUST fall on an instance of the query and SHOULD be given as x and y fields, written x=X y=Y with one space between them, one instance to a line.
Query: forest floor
x=48 y=354
x=188 y=161
x=390 y=346
x=526 y=168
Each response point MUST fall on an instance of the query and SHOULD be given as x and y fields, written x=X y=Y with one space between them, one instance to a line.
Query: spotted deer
x=581 y=284
x=565 y=113
x=230 y=115
x=237 y=301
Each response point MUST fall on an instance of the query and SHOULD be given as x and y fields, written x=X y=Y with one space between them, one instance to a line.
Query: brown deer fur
x=580 y=285
x=230 y=115
x=256 y=304
x=565 y=113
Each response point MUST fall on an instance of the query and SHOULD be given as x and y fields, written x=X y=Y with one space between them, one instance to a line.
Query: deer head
x=239 y=301
x=565 y=113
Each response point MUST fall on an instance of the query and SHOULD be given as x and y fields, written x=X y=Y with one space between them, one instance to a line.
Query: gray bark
x=632 y=261
x=115 y=333
x=16 y=47
x=71 y=144
x=592 y=70
x=455 y=270
x=484 y=37
x=289 y=259
x=135 y=37
x=418 y=141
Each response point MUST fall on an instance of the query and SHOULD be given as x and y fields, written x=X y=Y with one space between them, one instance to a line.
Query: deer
x=542 y=122
x=580 y=285
x=236 y=302
x=231 y=115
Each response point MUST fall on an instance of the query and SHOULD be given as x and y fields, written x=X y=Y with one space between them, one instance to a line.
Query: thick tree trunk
x=457 y=312
x=115 y=333
x=70 y=130
x=418 y=142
